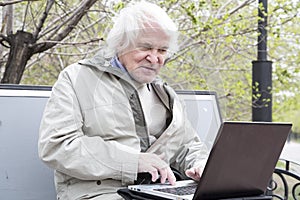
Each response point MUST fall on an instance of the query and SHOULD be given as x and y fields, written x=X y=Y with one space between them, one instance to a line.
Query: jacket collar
x=103 y=63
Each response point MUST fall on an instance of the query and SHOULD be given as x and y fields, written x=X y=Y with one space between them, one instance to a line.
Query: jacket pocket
x=88 y=189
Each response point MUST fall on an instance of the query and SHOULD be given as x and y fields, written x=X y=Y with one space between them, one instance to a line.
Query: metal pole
x=262 y=71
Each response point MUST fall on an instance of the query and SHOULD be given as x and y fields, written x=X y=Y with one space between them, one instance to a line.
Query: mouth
x=149 y=68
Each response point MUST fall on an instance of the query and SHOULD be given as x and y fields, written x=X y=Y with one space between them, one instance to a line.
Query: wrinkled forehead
x=152 y=33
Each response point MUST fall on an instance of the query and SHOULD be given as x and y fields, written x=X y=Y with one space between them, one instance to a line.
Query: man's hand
x=152 y=163
x=194 y=173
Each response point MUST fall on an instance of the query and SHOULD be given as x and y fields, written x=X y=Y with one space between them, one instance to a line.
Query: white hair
x=133 y=19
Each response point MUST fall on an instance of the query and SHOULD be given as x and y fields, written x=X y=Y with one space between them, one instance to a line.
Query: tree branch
x=73 y=43
x=245 y=3
x=3 y=39
x=13 y=2
x=74 y=19
x=43 y=19
x=56 y=28
x=70 y=23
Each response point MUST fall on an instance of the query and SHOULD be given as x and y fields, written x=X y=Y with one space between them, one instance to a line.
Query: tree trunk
x=20 y=53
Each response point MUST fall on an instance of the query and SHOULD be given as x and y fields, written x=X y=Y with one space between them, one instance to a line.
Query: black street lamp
x=262 y=71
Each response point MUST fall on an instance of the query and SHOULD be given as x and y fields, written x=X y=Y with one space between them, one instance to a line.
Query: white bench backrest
x=23 y=175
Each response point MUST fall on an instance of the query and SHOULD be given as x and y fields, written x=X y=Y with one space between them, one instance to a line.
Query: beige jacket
x=93 y=129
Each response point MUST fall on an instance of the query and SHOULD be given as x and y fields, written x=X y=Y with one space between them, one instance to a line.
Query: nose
x=154 y=57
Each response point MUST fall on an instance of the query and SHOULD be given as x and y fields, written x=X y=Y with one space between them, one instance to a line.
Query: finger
x=196 y=177
x=198 y=172
x=193 y=173
x=163 y=175
x=171 y=177
x=190 y=172
x=154 y=175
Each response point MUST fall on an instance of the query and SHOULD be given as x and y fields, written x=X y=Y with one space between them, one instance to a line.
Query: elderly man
x=110 y=117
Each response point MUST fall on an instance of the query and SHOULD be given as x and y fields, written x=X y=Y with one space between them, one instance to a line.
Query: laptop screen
x=203 y=112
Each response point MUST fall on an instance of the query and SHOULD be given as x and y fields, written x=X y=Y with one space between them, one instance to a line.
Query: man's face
x=144 y=60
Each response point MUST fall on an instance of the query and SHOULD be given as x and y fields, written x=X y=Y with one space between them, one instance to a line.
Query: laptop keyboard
x=182 y=190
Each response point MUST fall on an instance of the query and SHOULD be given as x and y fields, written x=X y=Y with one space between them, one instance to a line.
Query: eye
x=163 y=51
x=149 y=47
x=145 y=47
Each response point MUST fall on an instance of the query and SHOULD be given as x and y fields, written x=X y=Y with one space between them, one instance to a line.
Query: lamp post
x=262 y=71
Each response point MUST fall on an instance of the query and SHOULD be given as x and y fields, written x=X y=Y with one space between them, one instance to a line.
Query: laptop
x=240 y=164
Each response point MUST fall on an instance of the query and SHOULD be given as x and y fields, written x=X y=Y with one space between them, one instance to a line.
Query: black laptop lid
x=242 y=160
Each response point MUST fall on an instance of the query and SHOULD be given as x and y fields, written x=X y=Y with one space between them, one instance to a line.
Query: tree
x=223 y=45
x=23 y=44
